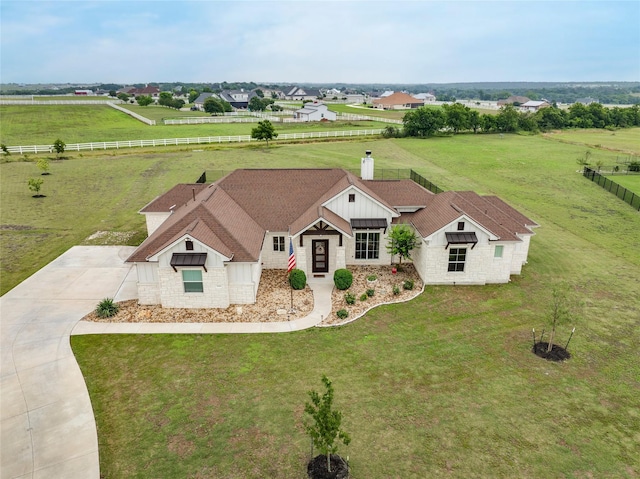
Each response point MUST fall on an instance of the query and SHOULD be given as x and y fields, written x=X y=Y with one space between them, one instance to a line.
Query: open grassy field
x=87 y=123
x=442 y=386
x=625 y=141
x=159 y=113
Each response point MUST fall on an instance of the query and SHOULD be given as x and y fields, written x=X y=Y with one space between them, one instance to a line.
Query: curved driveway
x=47 y=424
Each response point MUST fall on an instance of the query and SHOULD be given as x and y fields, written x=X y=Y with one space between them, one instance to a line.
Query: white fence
x=133 y=114
x=350 y=116
x=58 y=102
x=106 y=145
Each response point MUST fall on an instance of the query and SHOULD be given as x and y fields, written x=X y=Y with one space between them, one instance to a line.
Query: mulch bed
x=317 y=468
x=557 y=353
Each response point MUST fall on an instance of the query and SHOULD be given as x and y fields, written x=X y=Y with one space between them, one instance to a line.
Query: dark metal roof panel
x=368 y=223
x=462 y=238
x=188 y=259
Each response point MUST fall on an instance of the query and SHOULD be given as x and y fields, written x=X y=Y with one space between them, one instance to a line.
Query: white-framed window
x=192 y=280
x=457 y=258
x=367 y=245
x=278 y=243
x=497 y=253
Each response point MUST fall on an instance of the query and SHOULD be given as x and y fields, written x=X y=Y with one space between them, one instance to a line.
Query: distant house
x=238 y=99
x=513 y=100
x=152 y=91
x=397 y=101
x=587 y=100
x=84 y=93
x=356 y=97
x=386 y=93
x=331 y=92
x=199 y=102
x=534 y=106
x=425 y=97
x=208 y=243
x=300 y=94
x=315 y=112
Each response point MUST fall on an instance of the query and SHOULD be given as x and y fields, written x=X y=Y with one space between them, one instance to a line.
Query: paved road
x=47 y=424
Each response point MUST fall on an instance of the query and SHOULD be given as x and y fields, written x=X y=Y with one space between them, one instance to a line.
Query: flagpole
x=290 y=267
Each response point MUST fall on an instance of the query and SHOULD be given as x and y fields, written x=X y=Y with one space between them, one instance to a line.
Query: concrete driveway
x=47 y=424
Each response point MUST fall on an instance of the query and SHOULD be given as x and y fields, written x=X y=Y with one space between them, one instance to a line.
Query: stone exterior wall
x=148 y=293
x=154 y=220
x=384 y=257
x=275 y=259
x=215 y=286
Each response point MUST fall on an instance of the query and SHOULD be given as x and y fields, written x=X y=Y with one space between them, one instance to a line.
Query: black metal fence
x=422 y=181
x=611 y=186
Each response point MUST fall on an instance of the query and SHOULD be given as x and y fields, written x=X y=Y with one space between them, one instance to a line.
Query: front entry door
x=320 y=256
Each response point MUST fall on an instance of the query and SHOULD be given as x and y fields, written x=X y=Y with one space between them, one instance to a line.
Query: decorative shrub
x=634 y=166
x=396 y=289
x=408 y=284
x=371 y=292
x=107 y=308
x=363 y=297
x=342 y=313
x=372 y=277
x=350 y=298
x=343 y=279
x=297 y=279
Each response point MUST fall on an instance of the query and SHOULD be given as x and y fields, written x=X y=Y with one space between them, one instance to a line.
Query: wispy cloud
x=336 y=41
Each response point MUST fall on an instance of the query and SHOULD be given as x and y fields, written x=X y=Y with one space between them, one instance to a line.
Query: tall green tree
x=144 y=100
x=216 y=105
x=264 y=131
x=423 y=121
x=193 y=94
x=456 y=116
x=507 y=119
x=325 y=429
x=402 y=240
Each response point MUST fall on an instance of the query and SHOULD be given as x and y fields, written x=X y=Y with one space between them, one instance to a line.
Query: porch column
x=341 y=257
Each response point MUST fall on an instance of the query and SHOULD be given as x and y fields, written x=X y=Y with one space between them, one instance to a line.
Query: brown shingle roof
x=398 y=98
x=176 y=196
x=490 y=212
x=400 y=192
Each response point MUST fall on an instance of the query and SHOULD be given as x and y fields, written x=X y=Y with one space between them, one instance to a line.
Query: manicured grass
x=442 y=386
x=363 y=110
x=159 y=113
x=630 y=182
x=38 y=125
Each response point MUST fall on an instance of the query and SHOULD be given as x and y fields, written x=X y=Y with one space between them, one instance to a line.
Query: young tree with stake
x=325 y=428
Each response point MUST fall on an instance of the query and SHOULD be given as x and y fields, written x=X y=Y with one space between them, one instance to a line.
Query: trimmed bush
x=372 y=277
x=371 y=292
x=363 y=297
x=350 y=298
x=343 y=279
x=408 y=284
x=342 y=313
x=396 y=289
x=297 y=279
x=107 y=308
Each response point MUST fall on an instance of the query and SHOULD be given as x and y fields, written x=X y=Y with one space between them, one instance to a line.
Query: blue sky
x=328 y=41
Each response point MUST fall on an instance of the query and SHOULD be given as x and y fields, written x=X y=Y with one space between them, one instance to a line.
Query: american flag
x=292 y=257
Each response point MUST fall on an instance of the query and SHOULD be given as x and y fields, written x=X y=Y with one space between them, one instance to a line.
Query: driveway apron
x=47 y=424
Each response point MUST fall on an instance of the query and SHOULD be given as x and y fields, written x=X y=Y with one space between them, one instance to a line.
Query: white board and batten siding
x=363 y=207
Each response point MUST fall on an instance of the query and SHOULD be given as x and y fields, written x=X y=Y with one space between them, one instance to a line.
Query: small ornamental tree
x=34 y=185
x=325 y=428
x=264 y=131
x=43 y=165
x=559 y=312
x=402 y=239
x=59 y=146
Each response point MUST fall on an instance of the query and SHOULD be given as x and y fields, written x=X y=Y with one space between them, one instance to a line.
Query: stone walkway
x=47 y=427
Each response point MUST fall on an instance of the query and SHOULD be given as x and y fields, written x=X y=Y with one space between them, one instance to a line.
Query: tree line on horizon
x=456 y=117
